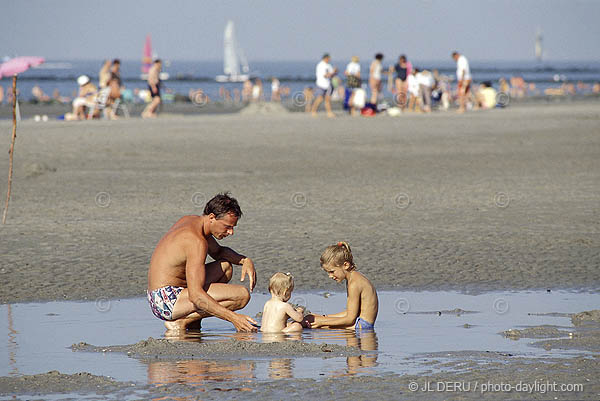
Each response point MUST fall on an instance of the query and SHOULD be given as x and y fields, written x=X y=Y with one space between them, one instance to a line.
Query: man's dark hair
x=402 y=57
x=157 y=61
x=116 y=61
x=222 y=204
x=454 y=53
x=379 y=56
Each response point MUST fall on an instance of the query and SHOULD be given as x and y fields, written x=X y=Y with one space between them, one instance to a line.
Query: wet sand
x=459 y=382
x=498 y=200
x=505 y=199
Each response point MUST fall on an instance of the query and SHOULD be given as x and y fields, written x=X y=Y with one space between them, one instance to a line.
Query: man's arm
x=195 y=272
x=218 y=252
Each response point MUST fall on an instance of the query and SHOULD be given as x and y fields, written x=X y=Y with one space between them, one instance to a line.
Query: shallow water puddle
x=410 y=324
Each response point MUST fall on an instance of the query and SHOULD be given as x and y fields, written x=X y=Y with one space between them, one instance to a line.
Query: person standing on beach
x=154 y=87
x=324 y=72
x=375 y=77
x=104 y=74
x=463 y=75
x=353 y=83
x=402 y=69
x=183 y=288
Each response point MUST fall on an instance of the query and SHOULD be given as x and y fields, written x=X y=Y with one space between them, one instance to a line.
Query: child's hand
x=300 y=309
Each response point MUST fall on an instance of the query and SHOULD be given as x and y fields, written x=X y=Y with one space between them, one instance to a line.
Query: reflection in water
x=12 y=344
x=281 y=368
x=197 y=372
x=364 y=340
x=200 y=372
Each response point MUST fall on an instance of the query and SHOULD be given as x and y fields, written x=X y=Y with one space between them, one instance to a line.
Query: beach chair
x=99 y=104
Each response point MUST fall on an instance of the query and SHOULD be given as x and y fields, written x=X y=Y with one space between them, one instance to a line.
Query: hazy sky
x=301 y=30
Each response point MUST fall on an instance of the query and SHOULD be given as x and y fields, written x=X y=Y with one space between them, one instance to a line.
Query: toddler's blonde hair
x=337 y=255
x=281 y=284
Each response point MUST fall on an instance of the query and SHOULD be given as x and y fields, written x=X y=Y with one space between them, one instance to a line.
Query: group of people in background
x=413 y=89
x=93 y=101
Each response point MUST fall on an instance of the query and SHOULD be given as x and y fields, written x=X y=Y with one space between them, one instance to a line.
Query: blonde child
x=276 y=310
x=362 y=304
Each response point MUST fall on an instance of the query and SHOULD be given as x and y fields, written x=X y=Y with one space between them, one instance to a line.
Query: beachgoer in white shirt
x=375 y=77
x=353 y=84
x=426 y=82
x=324 y=72
x=463 y=75
x=413 y=90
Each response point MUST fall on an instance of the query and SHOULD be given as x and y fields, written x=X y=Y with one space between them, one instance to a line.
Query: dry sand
x=505 y=199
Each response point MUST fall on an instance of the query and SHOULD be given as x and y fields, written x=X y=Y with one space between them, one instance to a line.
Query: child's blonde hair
x=281 y=284
x=337 y=255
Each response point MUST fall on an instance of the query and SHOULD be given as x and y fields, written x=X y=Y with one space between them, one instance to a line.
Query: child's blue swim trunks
x=362 y=324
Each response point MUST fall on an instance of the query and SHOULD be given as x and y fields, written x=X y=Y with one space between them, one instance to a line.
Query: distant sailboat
x=539 y=52
x=233 y=59
x=147 y=59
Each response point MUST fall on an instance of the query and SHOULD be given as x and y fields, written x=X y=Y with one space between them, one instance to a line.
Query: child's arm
x=294 y=314
x=346 y=318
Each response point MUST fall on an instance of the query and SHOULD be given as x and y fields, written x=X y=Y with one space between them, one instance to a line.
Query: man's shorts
x=162 y=301
x=324 y=92
x=152 y=92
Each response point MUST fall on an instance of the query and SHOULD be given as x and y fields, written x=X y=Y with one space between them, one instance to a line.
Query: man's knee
x=244 y=296
x=227 y=271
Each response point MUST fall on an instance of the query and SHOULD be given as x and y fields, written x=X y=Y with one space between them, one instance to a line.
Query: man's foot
x=175 y=326
x=330 y=115
x=460 y=111
x=181 y=325
x=313 y=113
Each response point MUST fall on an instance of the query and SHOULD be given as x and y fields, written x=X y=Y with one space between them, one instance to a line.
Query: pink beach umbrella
x=13 y=67
x=18 y=65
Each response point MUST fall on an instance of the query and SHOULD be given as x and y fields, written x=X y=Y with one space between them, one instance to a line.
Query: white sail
x=231 y=65
x=538 y=45
x=233 y=56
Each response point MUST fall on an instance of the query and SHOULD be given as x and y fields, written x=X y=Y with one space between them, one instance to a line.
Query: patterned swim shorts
x=162 y=301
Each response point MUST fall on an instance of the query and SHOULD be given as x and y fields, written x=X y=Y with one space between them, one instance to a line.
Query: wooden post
x=12 y=147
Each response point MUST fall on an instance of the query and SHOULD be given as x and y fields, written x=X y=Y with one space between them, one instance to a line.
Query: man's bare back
x=182 y=287
x=167 y=266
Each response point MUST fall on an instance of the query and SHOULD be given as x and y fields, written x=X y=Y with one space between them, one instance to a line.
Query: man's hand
x=248 y=269
x=243 y=323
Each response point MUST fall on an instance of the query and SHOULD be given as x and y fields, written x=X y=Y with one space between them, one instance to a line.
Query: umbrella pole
x=12 y=146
